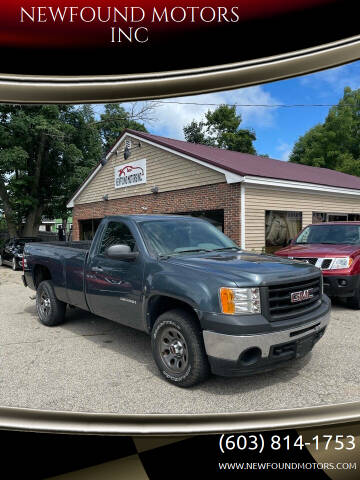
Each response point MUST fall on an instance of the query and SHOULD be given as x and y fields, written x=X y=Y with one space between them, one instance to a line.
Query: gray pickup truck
x=208 y=305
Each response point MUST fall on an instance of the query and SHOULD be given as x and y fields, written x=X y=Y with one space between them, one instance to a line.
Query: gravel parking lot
x=94 y=365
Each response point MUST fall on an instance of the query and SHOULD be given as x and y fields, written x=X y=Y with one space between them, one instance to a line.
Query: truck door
x=114 y=287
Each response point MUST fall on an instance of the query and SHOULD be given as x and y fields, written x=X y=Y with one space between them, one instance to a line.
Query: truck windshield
x=177 y=236
x=330 y=234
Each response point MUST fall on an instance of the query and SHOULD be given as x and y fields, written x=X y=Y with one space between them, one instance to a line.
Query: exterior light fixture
x=155 y=189
x=127 y=152
x=129 y=147
x=106 y=197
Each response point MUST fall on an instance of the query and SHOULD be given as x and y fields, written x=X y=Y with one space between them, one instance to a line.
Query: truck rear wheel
x=178 y=349
x=51 y=311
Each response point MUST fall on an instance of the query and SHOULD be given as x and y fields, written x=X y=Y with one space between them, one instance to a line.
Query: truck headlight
x=342 y=262
x=240 y=300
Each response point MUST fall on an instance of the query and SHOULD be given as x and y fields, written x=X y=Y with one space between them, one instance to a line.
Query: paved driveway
x=93 y=365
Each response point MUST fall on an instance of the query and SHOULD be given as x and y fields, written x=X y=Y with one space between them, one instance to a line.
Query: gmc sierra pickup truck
x=208 y=305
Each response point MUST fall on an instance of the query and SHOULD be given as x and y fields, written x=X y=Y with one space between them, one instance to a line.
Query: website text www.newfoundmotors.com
x=286 y=466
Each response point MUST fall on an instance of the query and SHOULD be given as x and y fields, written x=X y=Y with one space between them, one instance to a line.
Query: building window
x=88 y=228
x=318 y=217
x=280 y=228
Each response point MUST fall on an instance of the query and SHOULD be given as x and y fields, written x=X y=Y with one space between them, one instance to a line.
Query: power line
x=269 y=105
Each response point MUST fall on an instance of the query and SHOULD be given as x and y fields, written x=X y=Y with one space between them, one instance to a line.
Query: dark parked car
x=208 y=305
x=12 y=252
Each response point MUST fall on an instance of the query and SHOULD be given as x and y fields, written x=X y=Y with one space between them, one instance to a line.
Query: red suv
x=334 y=247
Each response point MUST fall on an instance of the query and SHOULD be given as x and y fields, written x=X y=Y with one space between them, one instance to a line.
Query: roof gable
x=237 y=166
x=168 y=170
x=225 y=175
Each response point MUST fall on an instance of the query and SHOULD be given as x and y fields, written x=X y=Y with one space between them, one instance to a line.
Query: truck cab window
x=117 y=233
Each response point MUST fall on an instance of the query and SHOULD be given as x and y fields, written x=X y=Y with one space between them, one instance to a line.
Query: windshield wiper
x=164 y=256
x=225 y=248
x=192 y=250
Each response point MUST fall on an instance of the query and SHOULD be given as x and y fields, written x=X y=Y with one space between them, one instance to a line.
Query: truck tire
x=51 y=311
x=354 y=302
x=178 y=349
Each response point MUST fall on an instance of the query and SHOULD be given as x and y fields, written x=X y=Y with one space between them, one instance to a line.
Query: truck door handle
x=97 y=269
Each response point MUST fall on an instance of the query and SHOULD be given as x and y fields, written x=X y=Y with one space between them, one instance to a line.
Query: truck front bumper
x=236 y=355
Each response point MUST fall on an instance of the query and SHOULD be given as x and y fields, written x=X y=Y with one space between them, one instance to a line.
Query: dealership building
x=259 y=202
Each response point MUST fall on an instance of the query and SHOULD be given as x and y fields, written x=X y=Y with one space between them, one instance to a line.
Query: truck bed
x=65 y=264
x=81 y=244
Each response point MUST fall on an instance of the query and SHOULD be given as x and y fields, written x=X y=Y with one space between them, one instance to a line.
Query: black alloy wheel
x=51 y=311
x=178 y=348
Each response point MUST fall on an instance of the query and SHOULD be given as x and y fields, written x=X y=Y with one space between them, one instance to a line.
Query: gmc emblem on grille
x=301 y=296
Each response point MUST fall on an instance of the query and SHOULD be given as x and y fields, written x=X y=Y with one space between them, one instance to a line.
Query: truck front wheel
x=51 y=311
x=178 y=349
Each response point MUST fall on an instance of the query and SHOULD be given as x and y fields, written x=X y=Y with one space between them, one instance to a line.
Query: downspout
x=242 y=215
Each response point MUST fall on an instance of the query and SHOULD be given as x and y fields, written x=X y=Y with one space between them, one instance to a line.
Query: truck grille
x=307 y=260
x=323 y=263
x=281 y=306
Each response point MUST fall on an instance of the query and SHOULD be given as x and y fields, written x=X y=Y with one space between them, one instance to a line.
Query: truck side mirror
x=291 y=241
x=121 y=252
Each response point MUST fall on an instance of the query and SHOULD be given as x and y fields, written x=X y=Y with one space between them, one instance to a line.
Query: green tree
x=221 y=129
x=114 y=120
x=45 y=153
x=334 y=144
x=195 y=132
x=87 y=140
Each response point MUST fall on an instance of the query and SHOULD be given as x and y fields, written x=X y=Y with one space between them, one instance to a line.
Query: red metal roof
x=253 y=165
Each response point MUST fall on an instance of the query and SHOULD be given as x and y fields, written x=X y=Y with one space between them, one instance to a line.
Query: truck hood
x=318 y=250
x=245 y=268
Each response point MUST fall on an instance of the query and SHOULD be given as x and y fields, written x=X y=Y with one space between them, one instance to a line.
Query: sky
x=276 y=128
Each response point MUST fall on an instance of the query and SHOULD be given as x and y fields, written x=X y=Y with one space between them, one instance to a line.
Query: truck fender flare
x=158 y=303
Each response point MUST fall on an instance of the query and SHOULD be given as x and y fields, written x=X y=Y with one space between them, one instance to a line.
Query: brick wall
x=209 y=197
